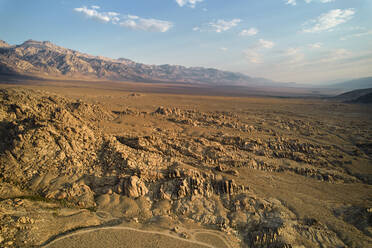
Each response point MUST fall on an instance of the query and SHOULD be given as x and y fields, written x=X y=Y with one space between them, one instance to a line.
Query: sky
x=303 y=41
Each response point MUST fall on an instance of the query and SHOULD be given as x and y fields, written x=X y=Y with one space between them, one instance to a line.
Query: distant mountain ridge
x=45 y=59
x=359 y=83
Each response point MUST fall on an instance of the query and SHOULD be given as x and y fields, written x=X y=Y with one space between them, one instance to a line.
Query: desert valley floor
x=127 y=166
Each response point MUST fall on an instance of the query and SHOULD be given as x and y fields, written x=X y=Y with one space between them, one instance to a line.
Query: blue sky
x=304 y=41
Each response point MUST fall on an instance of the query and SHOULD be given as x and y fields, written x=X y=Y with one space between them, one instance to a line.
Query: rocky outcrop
x=3 y=44
x=192 y=184
x=46 y=138
x=78 y=194
x=134 y=187
x=167 y=111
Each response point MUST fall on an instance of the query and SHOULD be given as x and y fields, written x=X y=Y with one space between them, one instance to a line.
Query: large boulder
x=134 y=187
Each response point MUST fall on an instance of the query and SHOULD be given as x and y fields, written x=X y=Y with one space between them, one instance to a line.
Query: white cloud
x=249 y=32
x=115 y=20
x=113 y=13
x=218 y=26
x=356 y=35
x=295 y=55
x=336 y=55
x=322 y=1
x=291 y=2
x=253 y=56
x=329 y=58
x=138 y=23
x=190 y=3
x=133 y=17
x=223 y=25
x=266 y=44
x=329 y=20
x=292 y=51
x=129 y=21
x=316 y=45
x=354 y=28
x=93 y=13
x=295 y=58
x=95 y=7
x=223 y=49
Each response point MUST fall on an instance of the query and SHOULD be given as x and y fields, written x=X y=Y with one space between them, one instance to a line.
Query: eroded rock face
x=134 y=187
x=185 y=183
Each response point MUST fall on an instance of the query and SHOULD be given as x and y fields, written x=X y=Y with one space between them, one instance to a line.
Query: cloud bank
x=189 y=3
x=329 y=20
x=294 y=2
x=249 y=32
x=218 y=26
x=129 y=21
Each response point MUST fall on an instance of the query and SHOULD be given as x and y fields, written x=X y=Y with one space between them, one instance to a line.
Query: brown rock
x=134 y=187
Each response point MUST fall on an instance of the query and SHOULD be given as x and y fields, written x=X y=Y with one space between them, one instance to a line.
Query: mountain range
x=358 y=83
x=45 y=59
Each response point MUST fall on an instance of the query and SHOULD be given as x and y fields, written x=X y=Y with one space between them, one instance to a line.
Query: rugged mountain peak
x=31 y=42
x=125 y=60
x=42 y=45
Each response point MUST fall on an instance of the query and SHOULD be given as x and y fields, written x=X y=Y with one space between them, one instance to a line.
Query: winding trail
x=199 y=231
x=130 y=229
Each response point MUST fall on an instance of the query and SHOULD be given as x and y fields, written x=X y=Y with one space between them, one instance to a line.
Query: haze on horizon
x=303 y=41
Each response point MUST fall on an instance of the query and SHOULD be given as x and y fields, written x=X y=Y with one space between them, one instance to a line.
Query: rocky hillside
x=45 y=59
x=56 y=163
x=356 y=96
x=366 y=99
